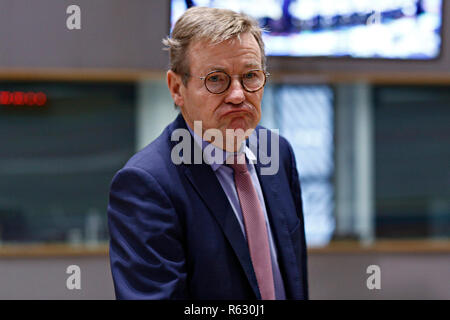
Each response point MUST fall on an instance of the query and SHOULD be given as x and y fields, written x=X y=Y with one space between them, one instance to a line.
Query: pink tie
x=255 y=227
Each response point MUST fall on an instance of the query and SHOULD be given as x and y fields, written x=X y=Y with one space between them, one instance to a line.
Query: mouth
x=236 y=110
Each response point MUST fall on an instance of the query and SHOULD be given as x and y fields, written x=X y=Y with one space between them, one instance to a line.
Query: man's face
x=233 y=109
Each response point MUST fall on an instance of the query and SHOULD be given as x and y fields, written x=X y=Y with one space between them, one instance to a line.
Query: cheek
x=205 y=109
x=195 y=102
x=255 y=100
x=210 y=105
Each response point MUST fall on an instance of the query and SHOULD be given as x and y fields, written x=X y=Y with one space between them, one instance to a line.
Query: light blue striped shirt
x=216 y=159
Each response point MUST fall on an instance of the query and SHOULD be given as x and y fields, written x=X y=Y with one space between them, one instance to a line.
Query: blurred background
x=361 y=89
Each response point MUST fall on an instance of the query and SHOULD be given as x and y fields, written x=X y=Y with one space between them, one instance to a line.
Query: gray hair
x=208 y=24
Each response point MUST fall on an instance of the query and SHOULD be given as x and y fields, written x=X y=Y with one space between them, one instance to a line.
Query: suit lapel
x=276 y=211
x=208 y=187
x=205 y=182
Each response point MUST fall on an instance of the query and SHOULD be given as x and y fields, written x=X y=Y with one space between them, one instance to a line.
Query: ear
x=175 y=85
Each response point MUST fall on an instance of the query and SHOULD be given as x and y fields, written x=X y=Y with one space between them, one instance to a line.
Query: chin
x=240 y=123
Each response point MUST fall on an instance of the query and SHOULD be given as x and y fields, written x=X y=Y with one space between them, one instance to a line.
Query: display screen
x=389 y=29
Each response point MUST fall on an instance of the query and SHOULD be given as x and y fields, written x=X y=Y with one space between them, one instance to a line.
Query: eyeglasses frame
x=266 y=75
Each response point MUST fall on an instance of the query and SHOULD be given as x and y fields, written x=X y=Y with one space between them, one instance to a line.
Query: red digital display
x=19 y=98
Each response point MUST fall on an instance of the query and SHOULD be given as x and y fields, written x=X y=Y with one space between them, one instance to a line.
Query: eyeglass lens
x=219 y=81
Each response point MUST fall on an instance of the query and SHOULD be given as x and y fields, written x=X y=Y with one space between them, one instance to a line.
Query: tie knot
x=239 y=165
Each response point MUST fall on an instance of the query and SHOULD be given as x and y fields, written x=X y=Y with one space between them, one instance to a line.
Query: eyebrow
x=247 y=65
x=253 y=65
x=213 y=68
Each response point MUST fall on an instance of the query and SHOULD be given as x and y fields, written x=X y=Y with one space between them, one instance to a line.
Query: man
x=221 y=228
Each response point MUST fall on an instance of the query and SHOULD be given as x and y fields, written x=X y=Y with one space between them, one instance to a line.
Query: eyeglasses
x=218 y=82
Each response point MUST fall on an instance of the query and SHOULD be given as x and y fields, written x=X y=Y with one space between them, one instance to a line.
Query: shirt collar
x=216 y=162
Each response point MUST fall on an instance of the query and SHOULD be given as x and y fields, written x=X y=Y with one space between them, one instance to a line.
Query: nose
x=235 y=93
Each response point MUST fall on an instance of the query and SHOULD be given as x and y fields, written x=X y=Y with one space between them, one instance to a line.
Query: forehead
x=242 y=52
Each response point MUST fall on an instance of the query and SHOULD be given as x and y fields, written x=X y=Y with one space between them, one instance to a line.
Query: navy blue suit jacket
x=173 y=234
